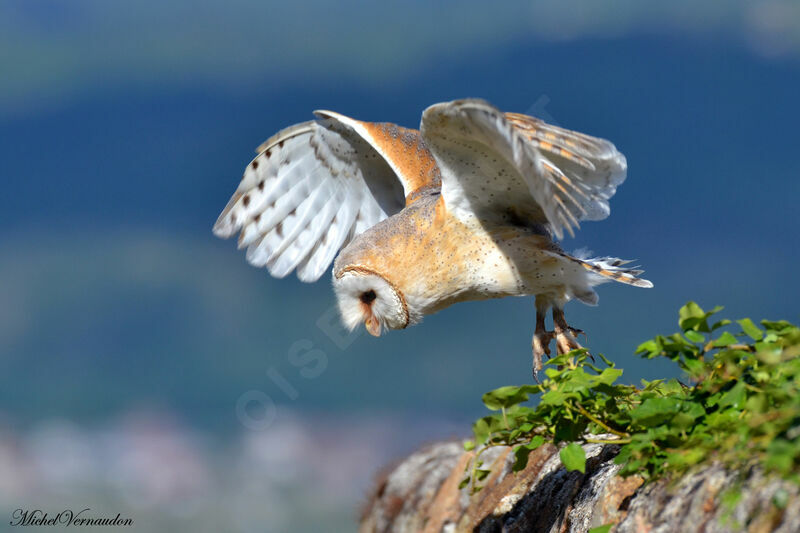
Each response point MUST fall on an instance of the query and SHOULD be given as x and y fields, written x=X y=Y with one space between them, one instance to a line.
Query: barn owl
x=468 y=207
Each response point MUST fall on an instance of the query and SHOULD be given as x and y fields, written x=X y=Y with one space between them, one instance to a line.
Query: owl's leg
x=565 y=335
x=541 y=337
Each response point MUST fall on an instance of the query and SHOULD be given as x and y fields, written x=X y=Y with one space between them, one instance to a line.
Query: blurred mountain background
x=143 y=360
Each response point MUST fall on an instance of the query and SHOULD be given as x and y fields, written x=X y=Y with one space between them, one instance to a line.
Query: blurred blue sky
x=126 y=127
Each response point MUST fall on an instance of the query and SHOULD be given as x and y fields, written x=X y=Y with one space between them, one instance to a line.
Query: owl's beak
x=373 y=326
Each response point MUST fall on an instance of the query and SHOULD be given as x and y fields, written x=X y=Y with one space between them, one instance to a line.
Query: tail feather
x=613 y=268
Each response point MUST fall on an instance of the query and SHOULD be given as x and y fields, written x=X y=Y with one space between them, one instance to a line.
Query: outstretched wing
x=312 y=188
x=506 y=166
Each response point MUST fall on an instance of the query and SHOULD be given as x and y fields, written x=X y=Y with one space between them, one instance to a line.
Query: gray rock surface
x=421 y=494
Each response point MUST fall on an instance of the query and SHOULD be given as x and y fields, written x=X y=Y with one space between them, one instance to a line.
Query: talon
x=565 y=334
x=575 y=332
x=565 y=342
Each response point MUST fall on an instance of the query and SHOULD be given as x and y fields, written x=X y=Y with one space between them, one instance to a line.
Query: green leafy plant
x=741 y=404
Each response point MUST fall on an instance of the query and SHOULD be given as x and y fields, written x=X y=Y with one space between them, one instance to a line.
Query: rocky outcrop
x=422 y=494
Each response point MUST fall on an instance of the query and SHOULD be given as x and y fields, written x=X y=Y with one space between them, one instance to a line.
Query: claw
x=565 y=334
x=575 y=332
x=566 y=342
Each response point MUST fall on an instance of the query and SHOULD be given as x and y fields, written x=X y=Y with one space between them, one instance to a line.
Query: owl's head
x=365 y=296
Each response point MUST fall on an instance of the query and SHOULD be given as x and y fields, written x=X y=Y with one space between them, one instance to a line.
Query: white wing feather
x=311 y=189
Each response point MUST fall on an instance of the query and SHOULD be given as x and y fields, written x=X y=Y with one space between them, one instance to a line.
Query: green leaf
x=567 y=430
x=559 y=360
x=687 y=417
x=469 y=445
x=735 y=397
x=694 y=336
x=464 y=483
x=522 y=452
x=695 y=367
x=573 y=457
x=651 y=385
x=555 y=397
x=686 y=458
x=655 y=411
x=609 y=375
x=521 y=430
x=481 y=474
x=504 y=397
x=752 y=331
x=651 y=348
x=757 y=403
x=481 y=430
x=726 y=339
x=779 y=326
x=780 y=455
x=720 y=323
x=690 y=315
x=601 y=529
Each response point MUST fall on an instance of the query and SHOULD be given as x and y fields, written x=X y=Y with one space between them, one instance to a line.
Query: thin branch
x=608 y=441
x=600 y=423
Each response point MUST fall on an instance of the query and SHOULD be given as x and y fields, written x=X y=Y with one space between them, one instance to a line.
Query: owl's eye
x=368 y=297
